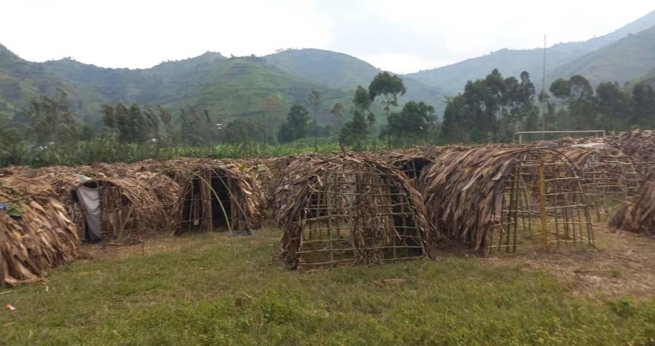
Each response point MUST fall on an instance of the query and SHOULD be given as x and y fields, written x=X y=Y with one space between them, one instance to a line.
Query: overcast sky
x=397 y=35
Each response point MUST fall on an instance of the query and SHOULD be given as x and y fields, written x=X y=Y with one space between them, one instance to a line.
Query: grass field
x=214 y=290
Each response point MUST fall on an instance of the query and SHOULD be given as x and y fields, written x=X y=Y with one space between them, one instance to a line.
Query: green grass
x=215 y=291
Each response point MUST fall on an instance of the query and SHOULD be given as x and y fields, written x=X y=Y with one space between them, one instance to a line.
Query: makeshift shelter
x=121 y=209
x=638 y=215
x=502 y=198
x=218 y=197
x=35 y=233
x=349 y=210
x=608 y=176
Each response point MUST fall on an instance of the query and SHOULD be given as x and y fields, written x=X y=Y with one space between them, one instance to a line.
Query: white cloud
x=400 y=36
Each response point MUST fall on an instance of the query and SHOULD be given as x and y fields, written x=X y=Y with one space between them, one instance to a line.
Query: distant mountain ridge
x=622 y=61
x=233 y=88
x=512 y=62
x=341 y=71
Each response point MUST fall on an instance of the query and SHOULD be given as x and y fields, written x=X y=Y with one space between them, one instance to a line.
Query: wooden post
x=328 y=202
x=542 y=204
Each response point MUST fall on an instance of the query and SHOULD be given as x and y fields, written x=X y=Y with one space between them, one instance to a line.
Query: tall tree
x=355 y=132
x=389 y=87
x=314 y=99
x=166 y=120
x=337 y=113
x=643 y=105
x=270 y=107
x=52 y=120
x=413 y=122
x=296 y=125
x=612 y=104
x=197 y=128
x=244 y=131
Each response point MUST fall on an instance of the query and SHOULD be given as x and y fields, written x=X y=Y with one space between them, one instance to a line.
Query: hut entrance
x=218 y=198
x=542 y=203
x=107 y=212
x=413 y=167
x=207 y=204
x=221 y=201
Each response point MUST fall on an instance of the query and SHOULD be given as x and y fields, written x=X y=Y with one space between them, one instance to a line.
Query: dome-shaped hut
x=349 y=210
x=502 y=198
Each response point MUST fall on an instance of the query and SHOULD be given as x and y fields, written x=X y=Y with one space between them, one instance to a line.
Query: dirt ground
x=620 y=265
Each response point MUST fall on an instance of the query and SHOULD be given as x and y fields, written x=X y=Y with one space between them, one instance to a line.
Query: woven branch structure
x=503 y=198
x=608 y=176
x=349 y=210
x=35 y=233
x=217 y=197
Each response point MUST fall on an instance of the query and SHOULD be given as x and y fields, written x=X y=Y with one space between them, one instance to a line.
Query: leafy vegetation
x=492 y=109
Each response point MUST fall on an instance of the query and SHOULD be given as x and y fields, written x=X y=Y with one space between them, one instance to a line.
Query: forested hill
x=342 y=71
x=229 y=88
x=20 y=80
x=623 y=61
x=512 y=62
x=238 y=87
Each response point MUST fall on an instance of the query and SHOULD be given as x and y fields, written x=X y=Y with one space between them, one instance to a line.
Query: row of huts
x=366 y=208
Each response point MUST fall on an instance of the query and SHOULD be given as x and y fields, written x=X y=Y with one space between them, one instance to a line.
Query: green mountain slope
x=239 y=87
x=625 y=60
x=335 y=70
x=341 y=71
x=20 y=80
x=227 y=88
x=649 y=78
x=512 y=62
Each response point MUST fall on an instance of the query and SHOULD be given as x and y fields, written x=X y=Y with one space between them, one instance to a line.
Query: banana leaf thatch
x=35 y=232
x=638 y=215
x=348 y=209
x=64 y=180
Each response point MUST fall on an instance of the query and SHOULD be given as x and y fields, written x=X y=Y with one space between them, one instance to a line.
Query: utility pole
x=543 y=93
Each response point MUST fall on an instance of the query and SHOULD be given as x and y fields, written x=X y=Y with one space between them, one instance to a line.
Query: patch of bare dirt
x=622 y=264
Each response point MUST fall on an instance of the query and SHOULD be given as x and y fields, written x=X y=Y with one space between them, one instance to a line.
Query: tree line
x=493 y=108
x=489 y=109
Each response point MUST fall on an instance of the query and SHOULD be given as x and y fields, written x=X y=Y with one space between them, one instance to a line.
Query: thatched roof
x=246 y=197
x=305 y=175
x=35 y=232
x=637 y=215
x=463 y=191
